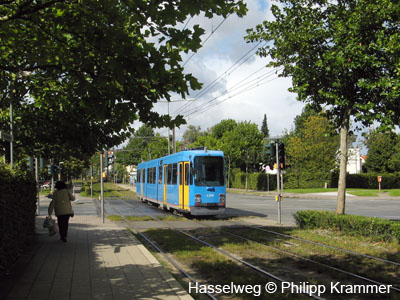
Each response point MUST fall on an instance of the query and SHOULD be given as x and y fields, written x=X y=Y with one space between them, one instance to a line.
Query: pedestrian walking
x=61 y=204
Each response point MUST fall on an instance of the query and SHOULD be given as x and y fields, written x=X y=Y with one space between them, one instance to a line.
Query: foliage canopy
x=94 y=67
x=344 y=55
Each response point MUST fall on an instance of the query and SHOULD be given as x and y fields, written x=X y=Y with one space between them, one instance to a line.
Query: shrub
x=255 y=181
x=17 y=213
x=369 y=180
x=349 y=224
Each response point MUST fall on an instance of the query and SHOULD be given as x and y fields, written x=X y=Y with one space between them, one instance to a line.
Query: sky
x=233 y=88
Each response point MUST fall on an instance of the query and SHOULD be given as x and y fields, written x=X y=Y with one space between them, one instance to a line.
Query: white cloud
x=220 y=52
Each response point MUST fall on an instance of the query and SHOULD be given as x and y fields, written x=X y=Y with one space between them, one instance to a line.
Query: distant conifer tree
x=264 y=127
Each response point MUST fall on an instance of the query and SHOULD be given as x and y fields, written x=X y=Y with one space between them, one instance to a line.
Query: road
x=261 y=206
x=239 y=204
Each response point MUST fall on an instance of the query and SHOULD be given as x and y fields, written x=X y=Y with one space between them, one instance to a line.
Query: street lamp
x=173 y=130
x=20 y=74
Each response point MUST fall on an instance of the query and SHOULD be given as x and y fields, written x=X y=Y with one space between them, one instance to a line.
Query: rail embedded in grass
x=213 y=267
x=110 y=190
x=363 y=264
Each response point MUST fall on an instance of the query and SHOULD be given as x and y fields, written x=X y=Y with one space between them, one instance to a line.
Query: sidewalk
x=99 y=261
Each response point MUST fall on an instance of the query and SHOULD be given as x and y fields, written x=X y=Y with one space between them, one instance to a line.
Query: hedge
x=349 y=224
x=255 y=181
x=258 y=181
x=369 y=180
x=17 y=214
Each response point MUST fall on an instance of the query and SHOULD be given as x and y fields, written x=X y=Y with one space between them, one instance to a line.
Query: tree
x=340 y=54
x=264 y=127
x=131 y=154
x=222 y=127
x=100 y=64
x=156 y=148
x=191 y=134
x=382 y=151
x=241 y=143
x=311 y=152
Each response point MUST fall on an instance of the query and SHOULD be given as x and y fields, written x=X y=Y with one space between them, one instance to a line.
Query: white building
x=354 y=161
x=132 y=171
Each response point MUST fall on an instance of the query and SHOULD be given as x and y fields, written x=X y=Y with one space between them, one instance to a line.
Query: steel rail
x=328 y=246
x=161 y=251
x=228 y=254
x=316 y=262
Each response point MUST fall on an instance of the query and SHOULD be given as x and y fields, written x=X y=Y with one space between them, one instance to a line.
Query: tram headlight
x=197 y=198
x=222 y=198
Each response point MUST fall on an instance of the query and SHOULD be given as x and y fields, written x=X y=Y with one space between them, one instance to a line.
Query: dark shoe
x=64 y=240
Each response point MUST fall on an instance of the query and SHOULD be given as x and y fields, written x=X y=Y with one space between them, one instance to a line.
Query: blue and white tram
x=191 y=181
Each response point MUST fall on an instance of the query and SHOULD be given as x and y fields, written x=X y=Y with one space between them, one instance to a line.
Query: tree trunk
x=344 y=130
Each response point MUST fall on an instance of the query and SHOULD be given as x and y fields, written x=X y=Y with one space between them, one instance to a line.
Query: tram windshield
x=209 y=171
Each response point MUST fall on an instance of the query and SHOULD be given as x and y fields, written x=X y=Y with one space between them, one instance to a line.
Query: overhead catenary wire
x=204 y=108
x=223 y=75
x=242 y=86
x=205 y=41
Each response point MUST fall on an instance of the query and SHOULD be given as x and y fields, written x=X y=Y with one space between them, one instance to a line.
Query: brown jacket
x=61 y=203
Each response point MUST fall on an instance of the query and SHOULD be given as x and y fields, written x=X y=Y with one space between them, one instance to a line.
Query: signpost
x=276 y=150
x=379 y=181
x=101 y=187
x=5 y=136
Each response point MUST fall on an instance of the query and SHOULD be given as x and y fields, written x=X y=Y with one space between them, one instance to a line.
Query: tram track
x=258 y=269
x=161 y=251
x=328 y=246
x=225 y=253
x=336 y=269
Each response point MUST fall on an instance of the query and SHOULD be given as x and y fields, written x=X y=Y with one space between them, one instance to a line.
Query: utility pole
x=278 y=182
x=37 y=185
x=11 y=126
x=101 y=186
x=173 y=130
x=276 y=150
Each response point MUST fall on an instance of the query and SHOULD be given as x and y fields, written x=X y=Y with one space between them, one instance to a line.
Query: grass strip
x=213 y=267
x=110 y=190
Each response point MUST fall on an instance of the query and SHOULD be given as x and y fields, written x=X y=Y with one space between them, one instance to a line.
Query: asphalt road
x=260 y=206
x=238 y=204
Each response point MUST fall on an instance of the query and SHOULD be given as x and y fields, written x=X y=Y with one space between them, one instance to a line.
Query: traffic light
x=110 y=158
x=53 y=169
x=270 y=151
x=57 y=169
x=43 y=162
x=281 y=154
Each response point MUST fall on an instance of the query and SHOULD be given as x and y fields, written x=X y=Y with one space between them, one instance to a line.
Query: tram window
x=186 y=174
x=174 y=173
x=209 y=171
x=180 y=174
x=160 y=168
x=149 y=175
x=138 y=176
x=154 y=175
x=169 y=174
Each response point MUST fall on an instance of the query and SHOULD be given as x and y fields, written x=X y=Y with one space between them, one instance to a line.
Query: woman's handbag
x=50 y=224
x=47 y=222
x=52 y=229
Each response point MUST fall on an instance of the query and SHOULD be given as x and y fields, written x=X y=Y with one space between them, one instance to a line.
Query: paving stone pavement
x=99 y=261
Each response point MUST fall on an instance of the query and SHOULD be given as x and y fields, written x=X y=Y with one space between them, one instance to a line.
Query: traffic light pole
x=101 y=187
x=278 y=182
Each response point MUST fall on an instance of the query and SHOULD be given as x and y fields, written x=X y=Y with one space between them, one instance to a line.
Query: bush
x=17 y=214
x=255 y=181
x=369 y=180
x=297 y=180
x=349 y=224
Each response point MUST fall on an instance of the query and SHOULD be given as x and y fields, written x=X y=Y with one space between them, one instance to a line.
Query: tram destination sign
x=5 y=136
